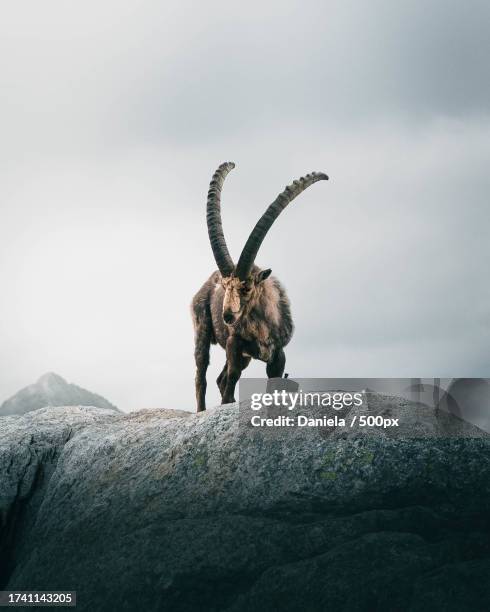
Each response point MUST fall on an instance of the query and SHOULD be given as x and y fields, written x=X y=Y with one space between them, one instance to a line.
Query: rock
x=51 y=390
x=170 y=510
x=30 y=446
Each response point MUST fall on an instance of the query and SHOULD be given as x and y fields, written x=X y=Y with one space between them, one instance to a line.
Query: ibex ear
x=262 y=275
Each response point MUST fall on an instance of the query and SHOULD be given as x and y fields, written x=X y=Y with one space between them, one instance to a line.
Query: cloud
x=179 y=73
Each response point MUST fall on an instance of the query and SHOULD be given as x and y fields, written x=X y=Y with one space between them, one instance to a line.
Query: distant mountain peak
x=51 y=390
x=51 y=378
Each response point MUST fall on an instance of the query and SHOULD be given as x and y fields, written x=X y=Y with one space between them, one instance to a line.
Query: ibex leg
x=221 y=380
x=236 y=363
x=275 y=367
x=201 y=355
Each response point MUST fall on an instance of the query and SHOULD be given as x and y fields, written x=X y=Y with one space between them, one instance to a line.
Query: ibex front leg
x=277 y=363
x=201 y=355
x=221 y=380
x=236 y=363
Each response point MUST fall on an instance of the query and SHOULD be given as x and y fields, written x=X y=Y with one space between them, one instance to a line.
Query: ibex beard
x=243 y=308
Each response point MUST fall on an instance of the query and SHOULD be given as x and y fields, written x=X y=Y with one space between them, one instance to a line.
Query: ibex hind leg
x=275 y=367
x=203 y=333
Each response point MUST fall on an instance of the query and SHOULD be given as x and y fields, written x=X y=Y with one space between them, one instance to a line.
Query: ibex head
x=242 y=282
x=241 y=295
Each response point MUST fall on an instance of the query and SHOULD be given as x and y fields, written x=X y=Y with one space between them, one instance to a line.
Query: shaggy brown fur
x=261 y=327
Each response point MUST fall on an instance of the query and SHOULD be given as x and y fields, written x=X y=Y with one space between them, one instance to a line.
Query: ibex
x=242 y=307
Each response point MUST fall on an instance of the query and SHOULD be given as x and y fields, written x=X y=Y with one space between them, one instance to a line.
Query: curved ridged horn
x=213 y=216
x=264 y=224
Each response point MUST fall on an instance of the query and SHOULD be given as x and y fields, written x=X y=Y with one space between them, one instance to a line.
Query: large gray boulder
x=166 y=510
x=30 y=447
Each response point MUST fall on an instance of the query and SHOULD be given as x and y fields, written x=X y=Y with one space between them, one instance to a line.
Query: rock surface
x=176 y=511
x=51 y=390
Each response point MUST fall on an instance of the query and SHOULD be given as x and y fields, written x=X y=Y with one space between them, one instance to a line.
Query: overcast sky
x=115 y=114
